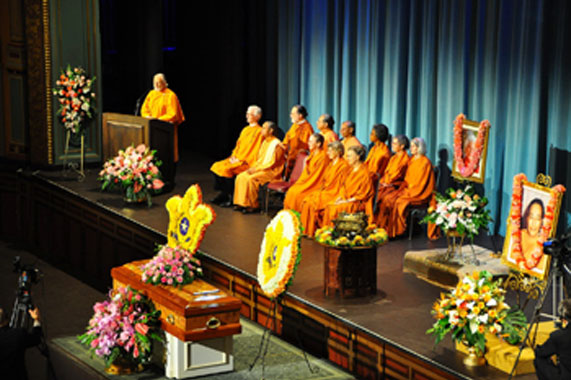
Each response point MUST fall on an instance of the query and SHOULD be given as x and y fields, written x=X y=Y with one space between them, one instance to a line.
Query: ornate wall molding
x=39 y=81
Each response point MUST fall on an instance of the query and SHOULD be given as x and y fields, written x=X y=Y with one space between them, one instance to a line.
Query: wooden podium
x=120 y=131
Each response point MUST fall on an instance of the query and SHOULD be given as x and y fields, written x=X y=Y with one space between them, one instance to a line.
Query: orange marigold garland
x=468 y=165
x=515 y=219
x=280 y=253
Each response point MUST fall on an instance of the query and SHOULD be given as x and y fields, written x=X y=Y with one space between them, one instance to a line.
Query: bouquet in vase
x=123 y=327
x=136 y=171
x=461 y=211
x=474 y=308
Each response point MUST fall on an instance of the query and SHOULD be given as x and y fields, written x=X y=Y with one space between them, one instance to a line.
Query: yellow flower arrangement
x=475 y=306
x=280 y=253
x=370 y=237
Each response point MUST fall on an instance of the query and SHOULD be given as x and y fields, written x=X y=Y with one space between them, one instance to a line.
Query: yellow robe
x=357 y=185
x=416 y=189
x=329 y=136
x=309 y=180
x=164 y=105
x=312 y=206
x=295 y=141
x=349 y=142
x=246 y=151
x=269 y=165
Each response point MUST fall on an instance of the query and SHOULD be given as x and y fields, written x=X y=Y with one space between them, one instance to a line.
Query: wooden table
x=350 y=271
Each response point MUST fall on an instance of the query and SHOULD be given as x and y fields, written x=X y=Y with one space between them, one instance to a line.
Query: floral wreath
x=515 y=216
x=280 y=253
x=467 y=166
x=188 y=219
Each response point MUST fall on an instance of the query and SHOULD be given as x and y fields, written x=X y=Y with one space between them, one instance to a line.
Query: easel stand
x=73 y=166
x=265 y=342
x=555 y=280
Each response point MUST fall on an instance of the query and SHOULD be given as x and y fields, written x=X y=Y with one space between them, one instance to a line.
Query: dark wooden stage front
x=76 y=227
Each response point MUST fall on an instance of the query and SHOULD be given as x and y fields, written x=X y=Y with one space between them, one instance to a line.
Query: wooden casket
x=199 y=320
x=196 y=311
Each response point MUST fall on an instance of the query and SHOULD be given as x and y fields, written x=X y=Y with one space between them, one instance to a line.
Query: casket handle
x=213 y=323
x=170 y=319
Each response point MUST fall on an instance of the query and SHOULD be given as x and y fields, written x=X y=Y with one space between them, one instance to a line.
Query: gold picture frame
x=532 y=194
x=469 y=136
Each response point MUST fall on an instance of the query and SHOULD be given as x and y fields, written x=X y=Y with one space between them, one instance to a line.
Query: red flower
x=141 y=328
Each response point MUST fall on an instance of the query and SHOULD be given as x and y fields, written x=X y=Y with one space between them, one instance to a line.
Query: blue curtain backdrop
x=415 y=64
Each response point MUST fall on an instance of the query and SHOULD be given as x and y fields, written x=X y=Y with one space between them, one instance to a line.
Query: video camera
x=560 y=247
x=27 y=275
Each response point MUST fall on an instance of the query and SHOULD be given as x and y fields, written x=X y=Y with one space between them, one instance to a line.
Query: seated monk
x=396 y=168
x=379 y=154
x=297 y=137
x=310 y=178
x=357 y=189
x=268 y=167
x=347 y=130
x=416 y=189
x=325 y=126
x=312 y=205
x=243 y=156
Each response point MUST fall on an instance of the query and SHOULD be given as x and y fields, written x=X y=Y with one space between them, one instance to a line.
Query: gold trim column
x=48 y=78
x=39 y=81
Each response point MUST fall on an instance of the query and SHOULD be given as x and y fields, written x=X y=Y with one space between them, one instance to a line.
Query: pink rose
x=141 y=148
x=157 y=184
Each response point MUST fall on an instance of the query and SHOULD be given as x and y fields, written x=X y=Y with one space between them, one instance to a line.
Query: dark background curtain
x=411 y=64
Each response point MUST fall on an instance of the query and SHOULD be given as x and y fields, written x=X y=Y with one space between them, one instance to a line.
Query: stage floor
x=399 y=312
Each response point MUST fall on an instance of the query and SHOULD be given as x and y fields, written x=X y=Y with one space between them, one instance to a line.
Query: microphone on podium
x=138 y=103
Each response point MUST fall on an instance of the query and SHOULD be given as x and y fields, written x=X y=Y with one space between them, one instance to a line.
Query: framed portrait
x=533 y=219
x=471 y=147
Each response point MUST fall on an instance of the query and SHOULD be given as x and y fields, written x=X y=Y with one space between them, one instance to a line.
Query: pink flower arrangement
x=123 y=327
x=74 y=95
x=171 y=266
x=136 y=171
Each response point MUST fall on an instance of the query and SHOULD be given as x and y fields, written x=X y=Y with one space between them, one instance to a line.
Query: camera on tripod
x=27 y=275
x=560 y=247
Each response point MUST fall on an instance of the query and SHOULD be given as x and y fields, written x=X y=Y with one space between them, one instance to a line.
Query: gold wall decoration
x=37 y=35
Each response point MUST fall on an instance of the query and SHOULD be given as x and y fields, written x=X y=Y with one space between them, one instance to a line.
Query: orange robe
x=393 y=175
x=357 y=185
x=416 y=189
x=312 y=205
x=164 y=105
x=246 y=151
x=329 y=136
x=309 y=180
x=269 y=165
x=378 y=158
x=295 y=141
x=349 y=142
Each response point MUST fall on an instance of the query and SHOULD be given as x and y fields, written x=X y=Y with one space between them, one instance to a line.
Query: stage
x=369 y=336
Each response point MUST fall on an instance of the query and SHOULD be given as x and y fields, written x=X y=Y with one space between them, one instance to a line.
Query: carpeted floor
x=66 y=305
x=282 y=361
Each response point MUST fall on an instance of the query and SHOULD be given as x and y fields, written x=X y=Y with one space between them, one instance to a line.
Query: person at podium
x=162 y=103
